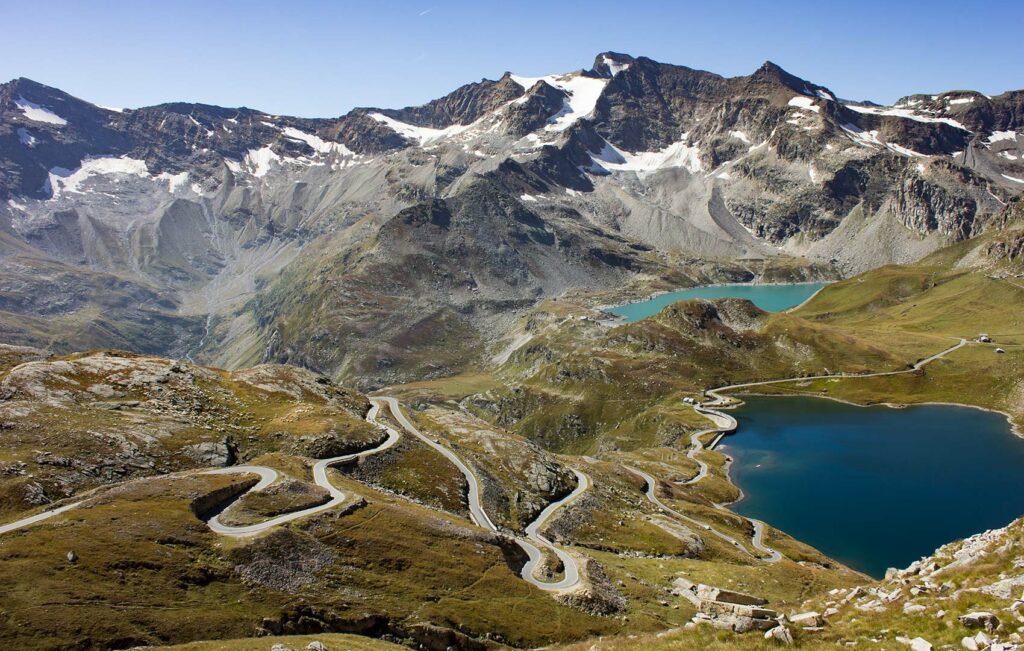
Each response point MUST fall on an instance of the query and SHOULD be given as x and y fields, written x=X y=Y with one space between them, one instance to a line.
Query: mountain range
x=394 y=244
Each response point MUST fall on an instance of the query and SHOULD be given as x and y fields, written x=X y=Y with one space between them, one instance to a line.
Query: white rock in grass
x=779 y=634
x=920 y=644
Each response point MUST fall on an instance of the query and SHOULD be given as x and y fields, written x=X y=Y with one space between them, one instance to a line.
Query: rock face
x=925 y=207
x=211 y=453
x=367 y=244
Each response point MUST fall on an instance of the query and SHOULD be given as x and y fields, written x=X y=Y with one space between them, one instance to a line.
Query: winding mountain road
x=720 y=399
x=267 y=476
x=476 y=510
x=772 y=556
x=33 y=519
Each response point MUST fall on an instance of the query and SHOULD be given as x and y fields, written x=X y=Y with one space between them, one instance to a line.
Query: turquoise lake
x=772 y=298
x=875 y=487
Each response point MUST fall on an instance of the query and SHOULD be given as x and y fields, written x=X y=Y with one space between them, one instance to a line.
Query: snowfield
x=62 y=181
x=37 y=113
x=582 y=92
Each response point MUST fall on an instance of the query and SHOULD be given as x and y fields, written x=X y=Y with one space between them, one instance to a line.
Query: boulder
x=808 y=620
x=969 y=644
x=920 y=644
x=211 y=453
x=980 y=619
x=316 y=645
x=714 y=608
x=779 y=634
x=710 y=593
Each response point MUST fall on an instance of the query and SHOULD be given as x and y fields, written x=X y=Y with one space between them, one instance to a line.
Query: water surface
x=772 y=298
x=875 y=487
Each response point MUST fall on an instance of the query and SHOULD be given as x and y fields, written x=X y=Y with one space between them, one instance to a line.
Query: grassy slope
x=168 y=579
x=331 y=641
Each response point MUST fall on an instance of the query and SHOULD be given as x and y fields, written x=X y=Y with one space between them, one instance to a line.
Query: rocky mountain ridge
x=214 y=223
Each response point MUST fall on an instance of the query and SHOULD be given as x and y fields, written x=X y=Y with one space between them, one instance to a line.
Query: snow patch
x=17 y=206
x=824 y=94
x=1001 y=135
x=678 y=154
x=582 y=92
x=900 y=149
x=62 y=181
x=258 y=160
x=961 y=100
x=37 y=113
x=723 y=175
x=174 y=181
x=614 y=66
x=806 y=103
x=739 y=135
x=860 y=136
x=1013 y=178
x=317 y=143
x=422 y=135
x=903 y=113
x=26 y=138
x=528 y=197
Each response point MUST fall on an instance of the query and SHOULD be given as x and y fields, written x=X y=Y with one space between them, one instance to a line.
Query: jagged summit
x=608 y=64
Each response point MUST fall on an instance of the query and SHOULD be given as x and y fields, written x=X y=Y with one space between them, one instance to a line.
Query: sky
x=320 y=59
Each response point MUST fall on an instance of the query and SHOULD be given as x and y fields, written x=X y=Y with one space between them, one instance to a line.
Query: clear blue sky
x=322 y=58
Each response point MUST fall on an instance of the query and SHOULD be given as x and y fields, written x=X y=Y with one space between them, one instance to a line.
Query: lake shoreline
x=784 y=441
x=1015 y=429
x=613 y=318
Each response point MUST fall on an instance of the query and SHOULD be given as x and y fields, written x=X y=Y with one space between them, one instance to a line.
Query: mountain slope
x=637 y=169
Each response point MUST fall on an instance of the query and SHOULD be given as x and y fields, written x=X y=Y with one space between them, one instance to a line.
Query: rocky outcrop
x=212 y=453
x=596 y=594
x=728 y=609
x=538 y=105
x=462 y=106
x=924 y=207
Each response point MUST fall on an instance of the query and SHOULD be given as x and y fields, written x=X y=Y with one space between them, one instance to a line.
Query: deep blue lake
x=875 y=487
x=772 y=298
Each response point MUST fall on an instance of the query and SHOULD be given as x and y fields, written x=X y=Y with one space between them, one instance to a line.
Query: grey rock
x=779 y=634
x=920 y=644
x=808 y=620
x=979 y=619
x=211 y=453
